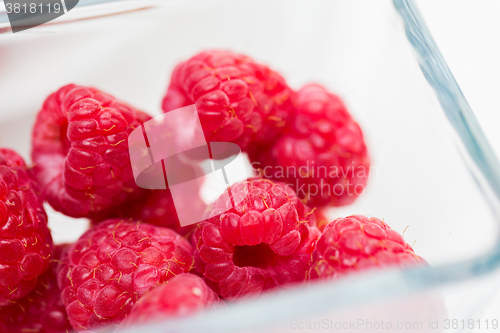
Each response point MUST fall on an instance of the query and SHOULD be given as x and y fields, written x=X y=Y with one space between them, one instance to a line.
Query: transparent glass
x=433 y=170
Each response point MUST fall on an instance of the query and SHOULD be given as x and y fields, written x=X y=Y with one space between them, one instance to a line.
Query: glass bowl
x=433 y=172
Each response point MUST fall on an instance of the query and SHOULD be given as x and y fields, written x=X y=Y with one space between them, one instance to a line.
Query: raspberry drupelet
x=238 y=100
x=25 y=240
x=322 y=154
x=80 y=151
x=357 y=243
x=183 y=295
x=113 y=264
x=262 y=242
x=42 y=310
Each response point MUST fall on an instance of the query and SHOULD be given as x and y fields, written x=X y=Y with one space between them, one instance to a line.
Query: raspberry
x=42 y=310
x=80 y=150
x=181 y=296
x=238 y=100
x=356 y=243
x=322 y=154
x=113 y=264
x=264 y=241
x=25 y=240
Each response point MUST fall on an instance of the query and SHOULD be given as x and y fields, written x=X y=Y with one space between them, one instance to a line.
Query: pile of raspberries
x=136 y=264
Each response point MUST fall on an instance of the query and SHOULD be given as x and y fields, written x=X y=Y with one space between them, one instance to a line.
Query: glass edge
x=460 y=115
x=282 y=306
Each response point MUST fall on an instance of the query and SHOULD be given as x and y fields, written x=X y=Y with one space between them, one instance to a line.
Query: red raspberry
x=356 y=243
x=238 y=100
x=113 y=264
x=42 y=310
x=25 y=240
x=183 y=295
x=80 y=150
x=265 y=241
x=322 y=155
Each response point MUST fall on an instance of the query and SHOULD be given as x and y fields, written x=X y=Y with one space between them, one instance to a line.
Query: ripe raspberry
x=183 y=295
x=322 y=155
x=264 y=241
x=356 y=243
x=42 y=310
x=238 y=100
x=80 y=150
x=113 y=264
x=25 y=240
